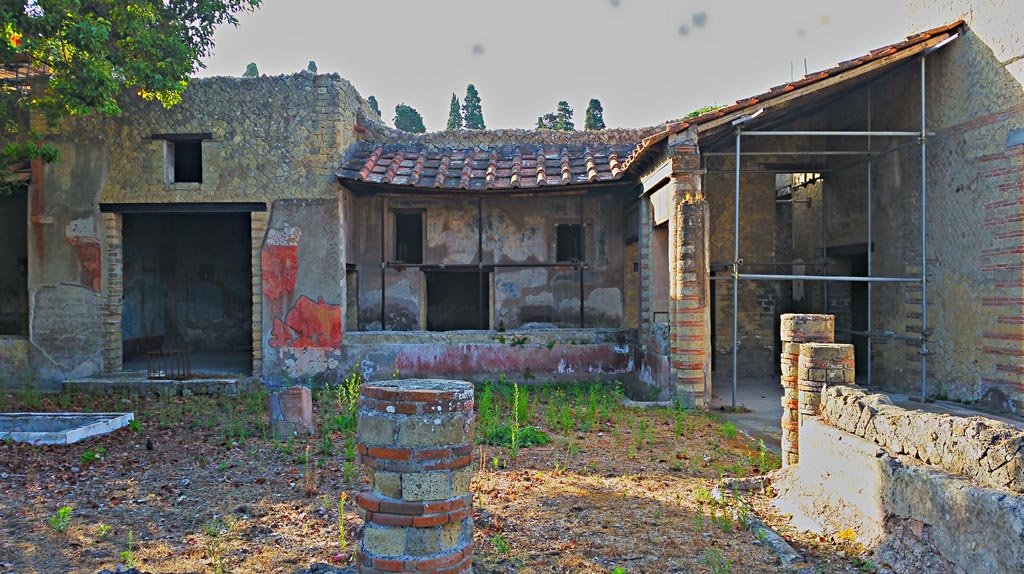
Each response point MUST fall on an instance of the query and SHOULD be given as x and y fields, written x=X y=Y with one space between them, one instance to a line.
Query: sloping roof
x=504 y=160
x=861 y=67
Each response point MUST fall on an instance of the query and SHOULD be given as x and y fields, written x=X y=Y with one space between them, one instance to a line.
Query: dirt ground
x=616 y=490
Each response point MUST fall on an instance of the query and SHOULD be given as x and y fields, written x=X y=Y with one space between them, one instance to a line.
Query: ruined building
x=273 y=227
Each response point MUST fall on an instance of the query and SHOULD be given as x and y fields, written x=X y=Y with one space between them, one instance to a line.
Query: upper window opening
x=409 y=237
x=570 y=242
x=188 y=161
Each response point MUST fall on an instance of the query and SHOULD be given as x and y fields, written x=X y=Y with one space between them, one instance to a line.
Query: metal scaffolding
x=867 y=156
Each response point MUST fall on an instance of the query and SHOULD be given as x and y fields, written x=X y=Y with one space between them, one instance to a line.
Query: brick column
x=258 y=223
x=796 y=329
x=644 y=254
x=113 y=357
x=689 y=305
x=416 y=440
x=821 y=364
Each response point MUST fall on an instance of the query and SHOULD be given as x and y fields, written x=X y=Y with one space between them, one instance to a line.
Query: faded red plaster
x=88 y=250
x=495 y=358
x=308 y=325
x=280 y=269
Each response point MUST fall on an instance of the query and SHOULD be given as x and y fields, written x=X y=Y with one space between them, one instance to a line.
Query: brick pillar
x=416 y=440
x=258 y=223
x=821 y=364
x=689 y=288
x=644 y=256
x=797 y=328
x=113 y=357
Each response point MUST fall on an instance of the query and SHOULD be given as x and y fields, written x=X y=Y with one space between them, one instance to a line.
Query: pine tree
x=311 y=66
x=454 y=114
x=564 y=114
x=472 y=112
x=372 y=101
x=408 y=119
x=595 y=116
x=251 y=71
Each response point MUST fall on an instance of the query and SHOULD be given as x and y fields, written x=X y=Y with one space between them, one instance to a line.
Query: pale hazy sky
x=648 y=61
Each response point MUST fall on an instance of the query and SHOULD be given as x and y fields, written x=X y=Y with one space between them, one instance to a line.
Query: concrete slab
x=135 y=383
x=59 y=428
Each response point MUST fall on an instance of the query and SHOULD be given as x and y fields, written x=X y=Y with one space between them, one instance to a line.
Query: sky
x=648 y=61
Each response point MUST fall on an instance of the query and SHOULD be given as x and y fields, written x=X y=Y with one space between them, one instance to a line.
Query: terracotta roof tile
x=491 y=160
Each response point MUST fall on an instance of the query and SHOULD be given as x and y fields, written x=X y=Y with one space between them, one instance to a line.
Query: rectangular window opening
x=409 y=237
x=457 y=300
x=188 y=160
x=570 y=242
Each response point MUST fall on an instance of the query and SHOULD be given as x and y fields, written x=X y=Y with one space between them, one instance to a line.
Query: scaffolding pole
x=870 y=326
x=484 y=322
x=825 y=278
x=924 y=239
x=736 y=271
x=383 y=267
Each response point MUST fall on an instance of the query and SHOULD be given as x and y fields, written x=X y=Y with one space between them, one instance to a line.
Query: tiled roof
x=507 y=160
x=906 y=48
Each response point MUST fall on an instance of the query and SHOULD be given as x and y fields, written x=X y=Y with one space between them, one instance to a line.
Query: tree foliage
x=251 y=71
x=372 y=101
x=311 y=66
x=472 y=111
x=94 y=50
x=702 y=110
x=595 y=115
x=560 y=119
x=454 y=114
x=408 y=119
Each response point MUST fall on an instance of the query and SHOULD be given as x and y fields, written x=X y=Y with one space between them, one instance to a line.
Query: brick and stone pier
x=821 y=364
x=797 y=328
x=416 y=440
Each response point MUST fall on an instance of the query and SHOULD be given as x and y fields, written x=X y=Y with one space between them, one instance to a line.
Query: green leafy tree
x=94 y=50
x=251 y=71
x=454 y=114
x=547 y=121
x=408 y=119
x=372 y=101
x=472 y=111
x=560 y=119
x=311 y=66
x=595 y=115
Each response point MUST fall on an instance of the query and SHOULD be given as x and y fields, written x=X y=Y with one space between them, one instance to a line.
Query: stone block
x=377 y=430
x=291 y=412
x=388 y=483
x=429 y=431
x=423 y=541
x=384 y=541
x=427 y=486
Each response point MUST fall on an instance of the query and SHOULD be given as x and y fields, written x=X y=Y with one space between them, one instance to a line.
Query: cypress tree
x=472 y=112
x=311 y=66
x=454 y=114
x=408 y=119
x=595 y=116
x=251 y=71
x=372 y=101
x=564 y=114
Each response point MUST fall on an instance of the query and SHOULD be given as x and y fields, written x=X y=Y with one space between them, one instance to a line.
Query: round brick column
x=797 y=328
x=416 y=440
x=821 y=364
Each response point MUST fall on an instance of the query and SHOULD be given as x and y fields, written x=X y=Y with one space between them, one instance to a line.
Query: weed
x=213 y=528
x=341 y=521
x=618 y=570
x=488 y=411
x=135 y=425
x=348 y=471
x=702 y=494
x=729 y=430
x=92 y=455
x=713 y=559
x=551 y=344
x=311 y=478
x=103 y=531
x=500 y=544
x=566 y=420
x=698 y=520
x=128 y=555
x=222 y=467
x=350 y=449
x=62 y=520
x=681 y=417
x=864 y=564
x=326 y=444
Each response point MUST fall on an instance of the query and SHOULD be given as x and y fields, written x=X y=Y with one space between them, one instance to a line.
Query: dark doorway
x=409 y=237
x=457 y=300
x=14 y=263
x=859 y=312
x=188 y=286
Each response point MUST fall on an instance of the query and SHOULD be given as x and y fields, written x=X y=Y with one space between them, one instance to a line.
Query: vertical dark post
x=480 y=259
x=383 y=263
x=583 y=259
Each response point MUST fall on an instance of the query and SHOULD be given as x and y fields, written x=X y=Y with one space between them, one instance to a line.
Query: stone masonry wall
x=989 y=452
